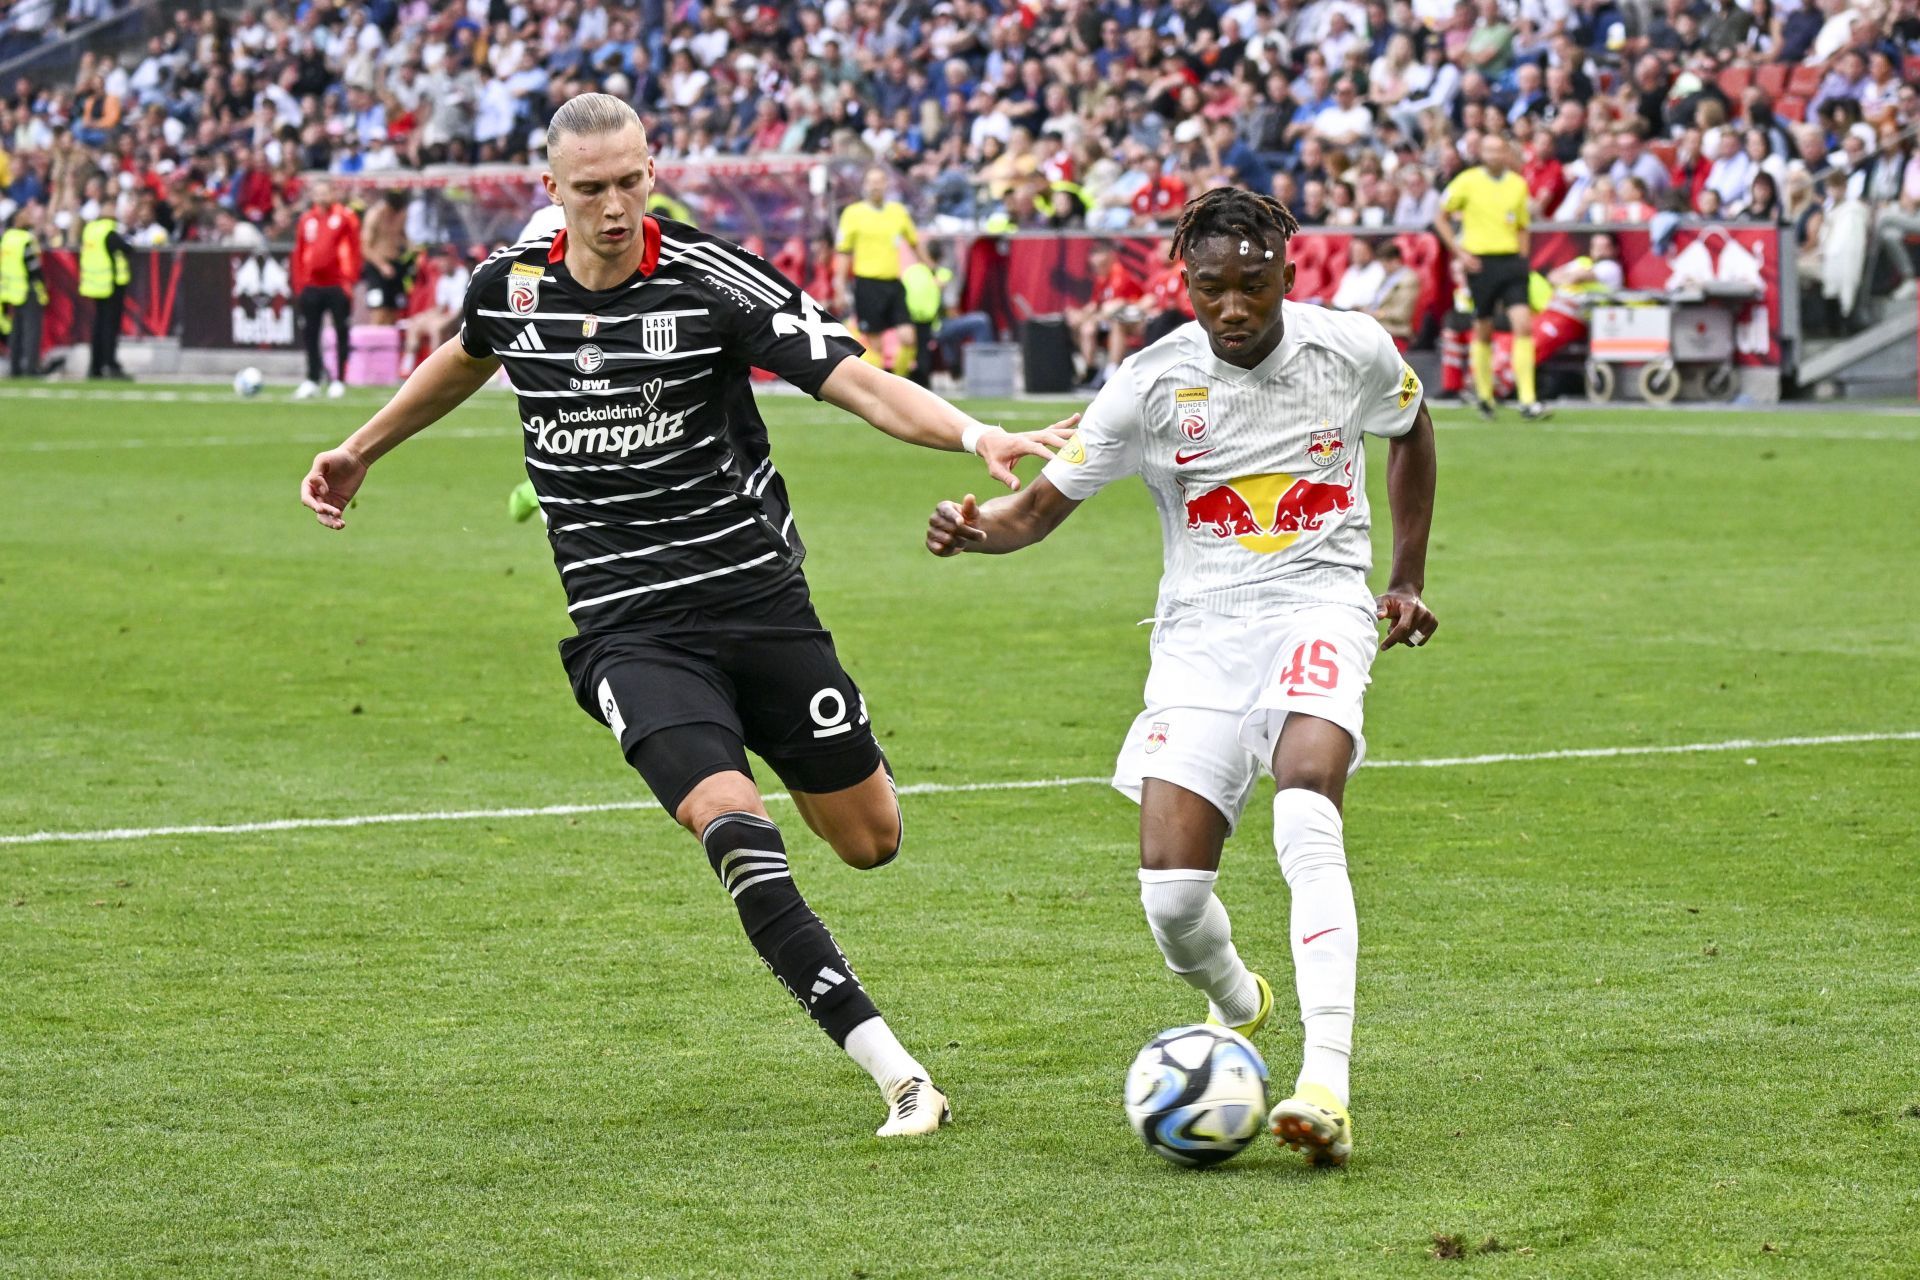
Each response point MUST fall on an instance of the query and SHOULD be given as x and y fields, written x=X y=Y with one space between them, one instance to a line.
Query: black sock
x=751 y=860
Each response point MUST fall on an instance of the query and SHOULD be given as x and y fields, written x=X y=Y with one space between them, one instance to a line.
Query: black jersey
x=642 y=437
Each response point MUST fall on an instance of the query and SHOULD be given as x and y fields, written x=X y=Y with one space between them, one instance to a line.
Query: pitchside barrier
x=212 y=299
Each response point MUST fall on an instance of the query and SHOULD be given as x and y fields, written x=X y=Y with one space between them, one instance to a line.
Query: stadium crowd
x=1105 y=115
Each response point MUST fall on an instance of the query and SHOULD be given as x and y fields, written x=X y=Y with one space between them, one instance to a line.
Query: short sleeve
x=1454 y=199
x=907 y=228
x=473 y=326
x=844 y=243
x=1108 y=445
x=799 y=340
x=1388 y=391
x=1523 y=207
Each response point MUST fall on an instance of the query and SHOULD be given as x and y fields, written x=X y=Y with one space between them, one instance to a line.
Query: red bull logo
x=1267 y=513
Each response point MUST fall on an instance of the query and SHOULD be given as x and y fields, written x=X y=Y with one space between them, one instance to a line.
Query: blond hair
x=590 y=113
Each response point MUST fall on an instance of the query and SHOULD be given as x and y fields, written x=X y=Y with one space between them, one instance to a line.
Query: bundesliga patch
x=1409 y=385
x=659 y=335
x=1074 y=451
x=1190 y=410
x=523 y=289
x=1326 y=445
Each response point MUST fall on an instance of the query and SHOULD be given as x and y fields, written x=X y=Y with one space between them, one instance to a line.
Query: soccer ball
x=1197 y=1095
x=248 y=382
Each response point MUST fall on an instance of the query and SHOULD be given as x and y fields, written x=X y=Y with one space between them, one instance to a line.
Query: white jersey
x=1259 y=474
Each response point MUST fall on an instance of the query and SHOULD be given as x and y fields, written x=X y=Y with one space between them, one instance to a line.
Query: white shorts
x=1221 y=688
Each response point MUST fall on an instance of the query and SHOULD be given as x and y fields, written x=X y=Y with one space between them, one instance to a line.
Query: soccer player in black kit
x=629 y=340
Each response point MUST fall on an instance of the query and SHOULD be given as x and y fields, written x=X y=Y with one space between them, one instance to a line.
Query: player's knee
x=1175 y=902
x=715 y=796
x=871 y=844
x=1308 y=834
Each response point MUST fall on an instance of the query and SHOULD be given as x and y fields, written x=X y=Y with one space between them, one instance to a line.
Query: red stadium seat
x=1665 y=152
x=1791 y=108
x=1309 y=255
x=1734 y=82
x=1805 y=81
x=1912 y=69
x=1772 y=77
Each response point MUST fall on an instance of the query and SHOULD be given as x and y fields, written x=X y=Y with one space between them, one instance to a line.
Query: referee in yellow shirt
x=868 y=250
x=1492 y=244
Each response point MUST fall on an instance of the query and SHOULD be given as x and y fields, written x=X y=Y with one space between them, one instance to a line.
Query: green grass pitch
x=1649 y=1015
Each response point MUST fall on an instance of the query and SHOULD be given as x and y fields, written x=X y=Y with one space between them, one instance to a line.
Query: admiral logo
x=589 y=359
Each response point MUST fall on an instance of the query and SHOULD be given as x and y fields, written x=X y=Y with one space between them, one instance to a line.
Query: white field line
x=502 y=432
x=915 y=789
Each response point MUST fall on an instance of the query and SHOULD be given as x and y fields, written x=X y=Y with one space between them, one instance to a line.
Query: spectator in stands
x=1111 y=318
x=1360 y=284
x=1763 y=200
x=1399 y=294
x=439 y=322
x=1346 y=120
x=1633 y=160
x=1419 y=203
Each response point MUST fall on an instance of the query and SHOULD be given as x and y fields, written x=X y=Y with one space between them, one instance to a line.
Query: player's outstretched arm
x=1002 y=525
x=908 y=411
x=443 y=380
x=1411 y=470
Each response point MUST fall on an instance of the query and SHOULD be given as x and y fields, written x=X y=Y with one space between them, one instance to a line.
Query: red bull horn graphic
x=1267 y=513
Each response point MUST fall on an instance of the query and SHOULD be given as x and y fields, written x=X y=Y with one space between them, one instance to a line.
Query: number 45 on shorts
x=1311 y=670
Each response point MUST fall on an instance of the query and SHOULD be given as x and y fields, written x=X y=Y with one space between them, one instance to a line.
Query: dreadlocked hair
x=1230 y=211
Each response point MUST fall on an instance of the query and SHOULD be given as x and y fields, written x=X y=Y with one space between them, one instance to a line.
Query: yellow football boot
x=1314 y=1123
x=1259 y=1019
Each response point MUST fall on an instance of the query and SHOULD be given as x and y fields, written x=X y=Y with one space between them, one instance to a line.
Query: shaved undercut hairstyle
x=589 y=113
x=1231 y=211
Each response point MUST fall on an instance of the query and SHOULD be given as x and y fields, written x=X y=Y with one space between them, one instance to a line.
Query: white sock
x=1191 y=926
x=872 y=1045
x=1309 y=837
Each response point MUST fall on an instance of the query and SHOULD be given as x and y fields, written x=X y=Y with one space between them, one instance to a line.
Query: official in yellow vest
x=1493 y=244
x=23 y=292
x=106 y=269
x=868 y=254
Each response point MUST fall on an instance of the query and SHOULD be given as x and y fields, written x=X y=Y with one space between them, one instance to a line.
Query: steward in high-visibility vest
x=662 y=203
x=23 y=294
x=105 y=271
x=104 y=265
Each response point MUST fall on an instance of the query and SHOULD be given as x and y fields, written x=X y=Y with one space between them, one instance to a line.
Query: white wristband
x=970 y=438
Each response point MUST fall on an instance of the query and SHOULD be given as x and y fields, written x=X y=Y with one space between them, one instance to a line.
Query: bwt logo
x=1267 y=513
x=589 y=384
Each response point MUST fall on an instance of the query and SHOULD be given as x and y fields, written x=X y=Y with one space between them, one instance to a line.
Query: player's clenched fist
x=953 y=525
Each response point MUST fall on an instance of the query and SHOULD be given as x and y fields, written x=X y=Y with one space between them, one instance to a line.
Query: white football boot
x=336 y=389
x=307 y=390
x=914 y=1106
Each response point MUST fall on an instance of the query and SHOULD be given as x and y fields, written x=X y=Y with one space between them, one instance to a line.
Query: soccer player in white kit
x=1247 y=427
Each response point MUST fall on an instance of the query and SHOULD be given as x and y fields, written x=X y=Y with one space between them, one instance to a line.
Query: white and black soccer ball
x=248 y=382
x=1197 y=1095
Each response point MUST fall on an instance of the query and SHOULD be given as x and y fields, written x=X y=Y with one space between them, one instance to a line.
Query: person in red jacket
x=326 y=264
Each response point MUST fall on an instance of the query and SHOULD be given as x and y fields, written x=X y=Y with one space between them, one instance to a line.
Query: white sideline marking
x=916 y=789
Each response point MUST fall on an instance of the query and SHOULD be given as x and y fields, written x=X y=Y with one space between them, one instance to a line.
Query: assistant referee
x=1492 y=243
x=868 y=250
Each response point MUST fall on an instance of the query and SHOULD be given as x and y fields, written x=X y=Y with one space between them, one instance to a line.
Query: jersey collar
x=649 y=245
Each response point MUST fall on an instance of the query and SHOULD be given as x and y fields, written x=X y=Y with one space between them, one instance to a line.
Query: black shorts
x=1501 y=282
x=879 y=305
x=384 y=288
x=766 y=678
